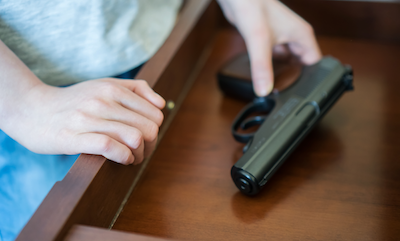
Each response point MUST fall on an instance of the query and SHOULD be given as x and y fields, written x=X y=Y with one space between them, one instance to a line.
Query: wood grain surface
x=342 y=182
x=372 y=19
x=85 y=233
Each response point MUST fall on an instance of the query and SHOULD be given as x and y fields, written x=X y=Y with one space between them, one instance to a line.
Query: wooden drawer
x=342 y=182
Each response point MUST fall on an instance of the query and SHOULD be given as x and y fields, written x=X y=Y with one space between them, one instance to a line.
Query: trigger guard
x=260 y=104
x=250 y=122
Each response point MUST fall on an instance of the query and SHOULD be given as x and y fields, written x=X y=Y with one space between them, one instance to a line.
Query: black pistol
x=290 y=115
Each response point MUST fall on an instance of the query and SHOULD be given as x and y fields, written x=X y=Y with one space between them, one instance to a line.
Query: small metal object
x=170 y=105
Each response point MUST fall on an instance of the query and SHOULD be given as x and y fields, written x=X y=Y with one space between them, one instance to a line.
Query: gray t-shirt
x=65 y=42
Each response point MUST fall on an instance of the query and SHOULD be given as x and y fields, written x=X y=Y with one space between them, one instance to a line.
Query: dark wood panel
x=342 y=182
x=353 y=19
x=177 y=60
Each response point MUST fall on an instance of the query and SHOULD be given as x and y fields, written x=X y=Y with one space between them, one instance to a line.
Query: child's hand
x=116 y=118
x=265 y=25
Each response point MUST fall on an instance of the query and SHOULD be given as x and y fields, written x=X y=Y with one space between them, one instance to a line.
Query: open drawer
x=342 y=182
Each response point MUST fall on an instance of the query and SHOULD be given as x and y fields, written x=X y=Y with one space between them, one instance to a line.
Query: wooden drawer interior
x=342 y=182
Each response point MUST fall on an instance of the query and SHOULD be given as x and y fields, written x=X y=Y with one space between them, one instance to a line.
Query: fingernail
x=270 y=88
x=263 y=88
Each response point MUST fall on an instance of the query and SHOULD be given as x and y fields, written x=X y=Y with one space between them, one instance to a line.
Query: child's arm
x=116 y=118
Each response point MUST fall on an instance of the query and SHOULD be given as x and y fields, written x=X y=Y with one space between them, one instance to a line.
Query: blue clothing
x=25 y=180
